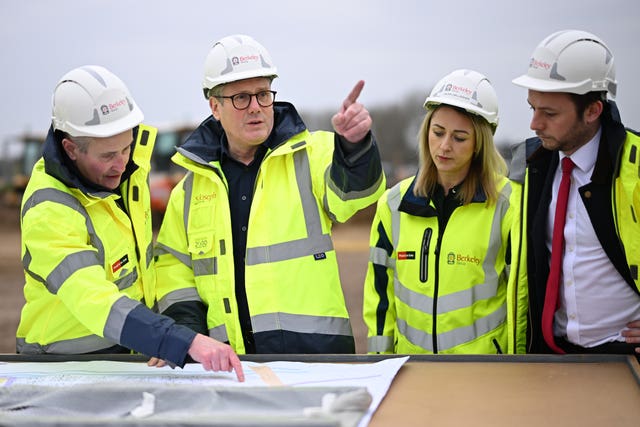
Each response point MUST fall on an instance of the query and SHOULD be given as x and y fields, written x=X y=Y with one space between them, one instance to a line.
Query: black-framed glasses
x=241 y=101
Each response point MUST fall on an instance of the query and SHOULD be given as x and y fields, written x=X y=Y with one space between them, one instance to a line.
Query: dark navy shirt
x=445 y=205
x=241 y=179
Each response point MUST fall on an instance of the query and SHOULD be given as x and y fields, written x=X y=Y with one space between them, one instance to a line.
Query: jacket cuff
x=350 y=151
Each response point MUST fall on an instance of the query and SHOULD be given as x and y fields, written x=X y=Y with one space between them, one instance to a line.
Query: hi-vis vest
x=81 y=253
x=626 y=203
x=291 y=272
x=447 y=291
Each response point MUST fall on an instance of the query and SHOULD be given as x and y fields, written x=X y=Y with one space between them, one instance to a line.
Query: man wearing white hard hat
x=245 y=250
x=87 y=236
x=583 y=188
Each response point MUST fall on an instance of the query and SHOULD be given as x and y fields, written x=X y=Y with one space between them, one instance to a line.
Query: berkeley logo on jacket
x=458 y=288
x=89 y=264
x=292 y=282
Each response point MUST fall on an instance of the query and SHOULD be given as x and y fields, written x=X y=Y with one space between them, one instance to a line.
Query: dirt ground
x=350 y=239
x=11 y=279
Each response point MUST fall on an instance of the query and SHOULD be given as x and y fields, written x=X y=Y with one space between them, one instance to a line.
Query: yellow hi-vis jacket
x=89 y=264
x=626 y=203
x=433 y=290
x=292 y=281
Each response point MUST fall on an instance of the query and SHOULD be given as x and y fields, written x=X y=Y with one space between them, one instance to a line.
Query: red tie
x=557 y=249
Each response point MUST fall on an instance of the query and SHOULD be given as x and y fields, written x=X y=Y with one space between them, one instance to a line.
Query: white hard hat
x=92 y=101
x=571 y=61
x=469 y=90
x=233 y=58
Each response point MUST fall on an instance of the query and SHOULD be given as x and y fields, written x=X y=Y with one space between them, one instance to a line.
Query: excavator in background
x=18 y=155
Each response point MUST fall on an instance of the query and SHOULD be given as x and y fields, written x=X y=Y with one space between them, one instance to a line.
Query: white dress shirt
x=595 y=303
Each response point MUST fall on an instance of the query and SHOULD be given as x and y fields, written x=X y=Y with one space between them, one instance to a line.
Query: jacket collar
x=422 y=206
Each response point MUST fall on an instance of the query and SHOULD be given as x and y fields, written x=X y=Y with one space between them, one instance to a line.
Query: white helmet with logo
x=92 y=101
x=469 y=90
x=571 y=61
x=233 y=58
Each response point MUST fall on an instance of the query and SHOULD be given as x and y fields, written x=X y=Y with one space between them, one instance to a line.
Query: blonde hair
x=487 y=165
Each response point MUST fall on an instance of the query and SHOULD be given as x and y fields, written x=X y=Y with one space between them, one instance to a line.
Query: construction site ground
x=350 y=240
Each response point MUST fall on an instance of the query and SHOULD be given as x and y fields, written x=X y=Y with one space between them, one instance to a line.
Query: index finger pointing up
x=353 y=96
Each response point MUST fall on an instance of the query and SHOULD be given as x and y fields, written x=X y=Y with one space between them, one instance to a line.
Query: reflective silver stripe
x=493 y=248
x=180 y=295
x=446 y=303
x=117 y=316
x=393 y=201
x=162 y=249
x=301 y=323
x=87 y=344
x=351 y=195
x=205 y=266
x=149 y=254
x=219 y=333
x=26 y=262
x=289 y=250
x=57 y=196
x=316 y=242
x=187 y=186
x=69 y=265
x=325 y=205
x=379 y=344
x=305 y=188
x=456 y=337
x=379 y=256
x=128 y=280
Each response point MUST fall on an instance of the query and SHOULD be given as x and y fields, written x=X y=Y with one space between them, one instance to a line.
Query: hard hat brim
x=210 y=83
x=434 y=101
x=541 y=85
x=108 y=129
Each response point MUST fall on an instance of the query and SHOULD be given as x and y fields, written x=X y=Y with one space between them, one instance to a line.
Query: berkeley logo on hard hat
x=112 y=107
x=244 y=59
x=537 y=64
x=452 y=90
x=458 y=90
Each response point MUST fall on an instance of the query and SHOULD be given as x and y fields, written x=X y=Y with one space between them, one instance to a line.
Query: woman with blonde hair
x=447 y=270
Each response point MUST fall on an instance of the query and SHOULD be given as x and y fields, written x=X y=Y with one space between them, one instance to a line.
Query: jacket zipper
x=434 y=313
x=424 y=255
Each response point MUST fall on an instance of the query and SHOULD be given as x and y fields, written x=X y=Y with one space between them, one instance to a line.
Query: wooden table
x=474 y=390
x=524 y=391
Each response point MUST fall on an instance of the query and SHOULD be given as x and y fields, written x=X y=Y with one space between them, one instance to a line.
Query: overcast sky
x=321 y=48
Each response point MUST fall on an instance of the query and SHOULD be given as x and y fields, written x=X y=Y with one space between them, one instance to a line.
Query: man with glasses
x=244 y=253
